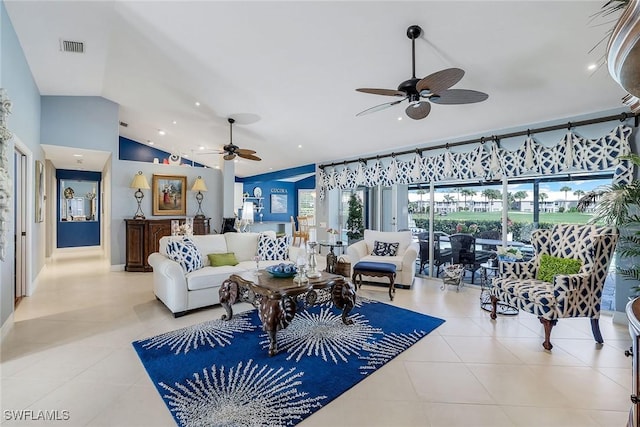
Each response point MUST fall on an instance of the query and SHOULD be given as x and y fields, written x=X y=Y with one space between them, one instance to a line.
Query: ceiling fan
x=231 y=150
x=420 y=92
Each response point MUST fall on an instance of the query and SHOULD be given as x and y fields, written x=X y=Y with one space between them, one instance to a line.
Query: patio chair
x=463 y=251
x=564 y=294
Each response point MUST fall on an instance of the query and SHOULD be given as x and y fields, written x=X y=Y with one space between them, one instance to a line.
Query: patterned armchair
x=569 y=295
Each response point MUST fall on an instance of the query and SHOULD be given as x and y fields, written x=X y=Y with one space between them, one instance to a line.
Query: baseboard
x=620 y=318
x=117 y=267
x=6 y=328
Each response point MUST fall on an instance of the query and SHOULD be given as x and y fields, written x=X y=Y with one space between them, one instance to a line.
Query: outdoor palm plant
x=619 y=205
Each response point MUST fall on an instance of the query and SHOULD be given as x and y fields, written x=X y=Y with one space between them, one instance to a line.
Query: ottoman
x=375 y=269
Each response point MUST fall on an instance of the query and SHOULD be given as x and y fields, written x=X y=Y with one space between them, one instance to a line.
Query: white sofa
x=182 y=292
x=404 y=260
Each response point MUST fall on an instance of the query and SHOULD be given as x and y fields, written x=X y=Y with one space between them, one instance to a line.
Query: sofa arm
x=410 y=255
x=356 y=251
x=169 y=282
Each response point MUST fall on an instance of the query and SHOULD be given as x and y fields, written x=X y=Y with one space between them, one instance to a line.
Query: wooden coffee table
x=277 y=298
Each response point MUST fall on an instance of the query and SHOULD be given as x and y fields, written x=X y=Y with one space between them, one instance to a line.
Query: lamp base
x=199 y=216
x=139 y=217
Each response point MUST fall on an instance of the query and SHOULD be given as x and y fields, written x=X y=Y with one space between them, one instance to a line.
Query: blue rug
x=219 y=373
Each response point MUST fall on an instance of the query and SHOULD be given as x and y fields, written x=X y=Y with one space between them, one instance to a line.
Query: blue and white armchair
x=567 y=295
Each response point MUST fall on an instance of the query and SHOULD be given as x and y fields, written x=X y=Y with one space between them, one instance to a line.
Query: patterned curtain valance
x=572 y=153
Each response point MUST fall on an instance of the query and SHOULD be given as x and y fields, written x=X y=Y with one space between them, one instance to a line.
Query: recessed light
x=201 y=147
x=77 y=155
x=299 y=145
x=197 y=104
x=161 y=132
x=592 y=67
x=400 y=118
x=174 y=122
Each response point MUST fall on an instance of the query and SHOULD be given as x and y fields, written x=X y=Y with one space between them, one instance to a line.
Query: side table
x=487 y=273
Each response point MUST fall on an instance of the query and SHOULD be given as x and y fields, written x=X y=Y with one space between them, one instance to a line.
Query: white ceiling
x=287 y=70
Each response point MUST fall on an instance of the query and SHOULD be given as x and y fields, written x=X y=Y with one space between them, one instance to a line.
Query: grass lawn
x=553 y=218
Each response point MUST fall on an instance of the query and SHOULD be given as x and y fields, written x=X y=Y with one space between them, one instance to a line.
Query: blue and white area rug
x=219 y=372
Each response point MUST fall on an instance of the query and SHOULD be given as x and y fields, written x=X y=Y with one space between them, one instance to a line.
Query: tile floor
x=70 y=349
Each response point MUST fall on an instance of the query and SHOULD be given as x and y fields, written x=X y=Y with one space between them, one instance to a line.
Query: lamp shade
x=140 y=182
x=199 y=185
x=247 y=212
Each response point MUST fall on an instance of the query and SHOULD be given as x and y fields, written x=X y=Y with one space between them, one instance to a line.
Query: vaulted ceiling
x=287 y=71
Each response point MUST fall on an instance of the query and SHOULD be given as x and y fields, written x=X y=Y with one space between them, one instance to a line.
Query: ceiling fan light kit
x=231 y=150
x=420 y=92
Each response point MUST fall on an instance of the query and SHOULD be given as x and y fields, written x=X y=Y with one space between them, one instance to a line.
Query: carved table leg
x=276 y=314
x=343 y=295
x=228 y=293
x=392 y=283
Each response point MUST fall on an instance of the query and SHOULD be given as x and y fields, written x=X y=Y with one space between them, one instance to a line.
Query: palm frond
x=631 y=273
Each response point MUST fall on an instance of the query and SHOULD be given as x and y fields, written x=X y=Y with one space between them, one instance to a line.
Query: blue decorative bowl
x=282 y=274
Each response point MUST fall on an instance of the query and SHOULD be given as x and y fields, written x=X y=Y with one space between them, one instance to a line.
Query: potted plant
x=355 y=224
x=619 y=205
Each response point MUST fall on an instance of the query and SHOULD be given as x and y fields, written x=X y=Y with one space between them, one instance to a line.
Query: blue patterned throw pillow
x=385 y=249
x=270 y=249
x=185 y=253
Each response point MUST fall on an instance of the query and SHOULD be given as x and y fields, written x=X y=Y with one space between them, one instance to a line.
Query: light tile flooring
x=70 y=349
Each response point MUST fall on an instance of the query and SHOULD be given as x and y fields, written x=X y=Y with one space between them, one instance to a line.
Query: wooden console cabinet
x=143 y=238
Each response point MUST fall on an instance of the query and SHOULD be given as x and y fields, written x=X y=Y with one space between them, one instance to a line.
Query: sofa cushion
x=273 y=249
x=185 y=253
x=210 y=277
x=403 y=238
x=244 y=245
x=551 y=265
x=385 y=249
x=218 y=260
x=210 y=244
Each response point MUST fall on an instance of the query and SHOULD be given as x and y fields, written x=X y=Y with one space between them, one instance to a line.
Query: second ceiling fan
x=231 y=150
x=420 y=92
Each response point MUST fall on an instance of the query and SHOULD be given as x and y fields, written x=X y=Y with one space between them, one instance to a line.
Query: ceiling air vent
x=71 y=46
x=123 y=124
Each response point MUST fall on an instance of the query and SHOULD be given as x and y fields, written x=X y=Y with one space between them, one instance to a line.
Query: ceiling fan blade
x=439 y=81
x=379 y=107
x=418 y=110
x=229 y=156
x=249 y=156
x=458 y=96
x=245 y=151
x=387 y=92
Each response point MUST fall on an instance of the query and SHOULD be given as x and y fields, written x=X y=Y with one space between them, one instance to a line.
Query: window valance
x=489 y=161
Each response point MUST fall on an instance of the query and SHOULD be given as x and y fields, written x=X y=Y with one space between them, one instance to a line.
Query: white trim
x=117 y=267
x=30 y=197
x=620 y=318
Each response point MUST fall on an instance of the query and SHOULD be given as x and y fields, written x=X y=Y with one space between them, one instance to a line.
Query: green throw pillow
x=218 y=260
x=551 y=265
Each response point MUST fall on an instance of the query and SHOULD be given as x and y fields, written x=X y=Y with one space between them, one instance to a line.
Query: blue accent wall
x=139 y=152
x=77 y=233
x=272 y=183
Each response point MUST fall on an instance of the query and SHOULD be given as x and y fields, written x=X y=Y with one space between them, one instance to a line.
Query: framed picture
x=169 y=195
x=39 y=193
x=278 y=203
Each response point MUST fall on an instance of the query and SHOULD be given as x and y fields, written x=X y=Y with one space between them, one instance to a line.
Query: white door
x=388 y=209
x=20 y=221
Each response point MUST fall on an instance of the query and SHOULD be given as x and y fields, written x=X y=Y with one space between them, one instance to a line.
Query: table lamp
x=199 y=186
x=247 y=214
x=139 y=182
